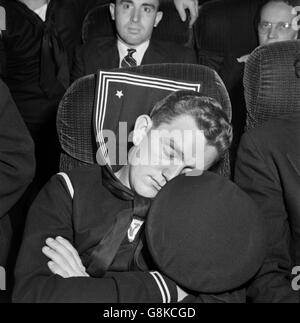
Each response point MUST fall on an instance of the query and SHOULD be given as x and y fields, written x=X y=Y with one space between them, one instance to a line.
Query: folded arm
x=51 y=216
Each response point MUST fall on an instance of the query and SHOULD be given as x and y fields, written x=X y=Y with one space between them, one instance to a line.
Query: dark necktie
x=128 y=60
x=104 y=253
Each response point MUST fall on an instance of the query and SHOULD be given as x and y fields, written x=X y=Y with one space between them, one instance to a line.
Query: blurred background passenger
x=275 y=21
x=268 y=170
x=268 y=163
x=16 y=168
x=38 y=43
x=131 y=45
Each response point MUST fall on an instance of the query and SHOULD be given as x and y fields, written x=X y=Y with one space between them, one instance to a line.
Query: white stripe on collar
x=68 y=183
x=164 y=290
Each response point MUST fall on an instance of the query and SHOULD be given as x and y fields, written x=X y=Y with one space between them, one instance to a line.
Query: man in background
x=17 y=166
x=132 y=44
x=268 y=169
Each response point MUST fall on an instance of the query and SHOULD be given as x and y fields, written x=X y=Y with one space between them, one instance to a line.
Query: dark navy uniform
x=268 y=168
x=37 y=57
x=81 y=209
x=16 y=163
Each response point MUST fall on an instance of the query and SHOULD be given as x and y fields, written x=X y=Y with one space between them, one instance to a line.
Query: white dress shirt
x=42 y=11
x=138 y=55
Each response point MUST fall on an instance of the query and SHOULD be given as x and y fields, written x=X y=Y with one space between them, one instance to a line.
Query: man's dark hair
x=207 y=113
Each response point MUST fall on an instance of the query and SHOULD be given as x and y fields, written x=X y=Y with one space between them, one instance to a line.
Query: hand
x=181 y=294
x=65 y=260
x=191 y=5
x=296 y=20
x=243 y=59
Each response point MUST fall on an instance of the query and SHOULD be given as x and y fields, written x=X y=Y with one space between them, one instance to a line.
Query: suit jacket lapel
x=110 y=55
x=26 y=12
x=153 y=55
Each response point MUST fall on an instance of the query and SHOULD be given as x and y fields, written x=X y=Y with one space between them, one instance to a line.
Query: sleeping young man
x=73 y=249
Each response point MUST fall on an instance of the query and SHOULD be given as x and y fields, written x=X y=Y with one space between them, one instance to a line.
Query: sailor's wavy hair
x=207 y=113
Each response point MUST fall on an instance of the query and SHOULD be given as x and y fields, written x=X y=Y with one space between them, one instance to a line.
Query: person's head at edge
x=135 y=20
x=274 y=21
x=182 y=112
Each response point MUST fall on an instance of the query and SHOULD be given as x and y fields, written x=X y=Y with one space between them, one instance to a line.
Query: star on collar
x=119 y=94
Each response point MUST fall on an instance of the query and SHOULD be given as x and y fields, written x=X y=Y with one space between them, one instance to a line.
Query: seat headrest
x=123 y=95
x=227 y=27
x=210 y=238
x=98 y=23
x=272 y=82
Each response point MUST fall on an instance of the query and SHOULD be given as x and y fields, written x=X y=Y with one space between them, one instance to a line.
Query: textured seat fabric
x=272 y=82
x=224 y=32
x=75 y=114
x=226 y=29
x=268 y=163
x=98 y=23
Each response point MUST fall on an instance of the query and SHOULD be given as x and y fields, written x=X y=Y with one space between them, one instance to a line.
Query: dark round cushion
x=205 y=233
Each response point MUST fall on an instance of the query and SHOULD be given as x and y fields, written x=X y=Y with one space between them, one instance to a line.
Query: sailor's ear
x=142 y=126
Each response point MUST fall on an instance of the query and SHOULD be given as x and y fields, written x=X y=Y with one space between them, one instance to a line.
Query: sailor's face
x=166 y=152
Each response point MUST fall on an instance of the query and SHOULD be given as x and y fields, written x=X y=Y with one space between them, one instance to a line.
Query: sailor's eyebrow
x=176 y=148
